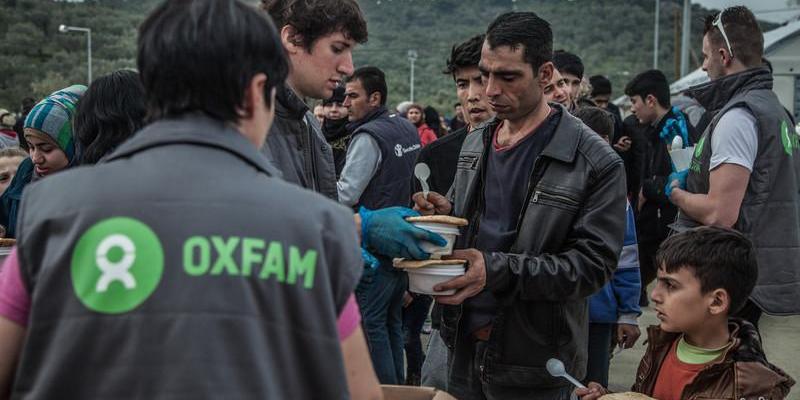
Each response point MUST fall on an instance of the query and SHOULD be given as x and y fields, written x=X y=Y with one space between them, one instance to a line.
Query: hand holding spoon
x=556 y=368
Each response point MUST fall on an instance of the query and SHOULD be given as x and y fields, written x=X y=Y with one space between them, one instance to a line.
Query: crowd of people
x=222 y=222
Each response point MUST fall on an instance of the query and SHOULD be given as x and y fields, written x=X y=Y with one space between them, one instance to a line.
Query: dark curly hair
x=314 y=19
x=465 y=55
x=109 y=113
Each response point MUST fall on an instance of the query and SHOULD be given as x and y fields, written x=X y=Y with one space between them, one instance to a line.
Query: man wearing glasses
x=745 y=172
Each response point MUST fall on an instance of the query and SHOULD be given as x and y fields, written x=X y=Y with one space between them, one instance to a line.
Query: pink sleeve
x=15 y=303
x=350 y=319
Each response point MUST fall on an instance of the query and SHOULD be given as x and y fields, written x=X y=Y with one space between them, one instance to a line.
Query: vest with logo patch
x=399 y=144
x=183 y=268
x=770 y=211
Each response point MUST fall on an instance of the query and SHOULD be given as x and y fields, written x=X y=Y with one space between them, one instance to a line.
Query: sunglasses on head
x=718 y=23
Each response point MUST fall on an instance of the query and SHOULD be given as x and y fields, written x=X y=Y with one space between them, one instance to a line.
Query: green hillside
x=613 y=36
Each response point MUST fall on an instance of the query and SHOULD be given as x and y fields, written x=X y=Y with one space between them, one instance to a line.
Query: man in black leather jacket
x=545 y=197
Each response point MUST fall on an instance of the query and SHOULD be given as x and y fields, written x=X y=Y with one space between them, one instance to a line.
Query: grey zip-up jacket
x=569 y=238
x=770 y=211
x=182 y=268
x=296 y=146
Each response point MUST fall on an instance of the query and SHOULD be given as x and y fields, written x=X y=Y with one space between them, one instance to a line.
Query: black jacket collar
x=715 y=94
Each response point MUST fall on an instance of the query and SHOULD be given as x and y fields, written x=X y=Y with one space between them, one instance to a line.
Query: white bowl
x=448 y=232
x=422 y=280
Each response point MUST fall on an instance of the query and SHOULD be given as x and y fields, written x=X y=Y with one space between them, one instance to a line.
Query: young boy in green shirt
x=697 y=351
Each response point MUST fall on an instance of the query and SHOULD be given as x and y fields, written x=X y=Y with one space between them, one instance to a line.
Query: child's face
x=8 y=167
x=679 y=303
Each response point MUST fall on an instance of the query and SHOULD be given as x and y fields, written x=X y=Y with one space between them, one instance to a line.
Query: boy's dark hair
x=720 y=258
x=373 y=80
x=568 y=62
x=598 y=119
x=515 y=29
x=600 y=85
x=744 y=34
x=650 y=82
x=200 y=55
x=465 y=55
x=314 y=19
x=110 y=112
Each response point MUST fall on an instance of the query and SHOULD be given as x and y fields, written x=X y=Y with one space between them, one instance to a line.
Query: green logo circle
x=116 y=265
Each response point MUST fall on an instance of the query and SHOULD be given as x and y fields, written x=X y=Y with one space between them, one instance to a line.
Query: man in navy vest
x=379 y=165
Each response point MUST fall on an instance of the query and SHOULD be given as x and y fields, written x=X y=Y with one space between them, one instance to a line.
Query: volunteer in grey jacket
x=320 y=56
x=148 y=282
x=545 y=197
x=745 y=172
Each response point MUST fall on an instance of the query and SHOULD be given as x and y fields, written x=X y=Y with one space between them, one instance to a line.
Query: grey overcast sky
x=782 y=15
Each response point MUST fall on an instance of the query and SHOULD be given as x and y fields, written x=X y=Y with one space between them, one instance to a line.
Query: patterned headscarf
x=53 y=116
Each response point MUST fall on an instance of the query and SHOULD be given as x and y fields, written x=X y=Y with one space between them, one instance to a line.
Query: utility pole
x=412 y=57
x=677 y=41
x=687 y=32
x=655 y=34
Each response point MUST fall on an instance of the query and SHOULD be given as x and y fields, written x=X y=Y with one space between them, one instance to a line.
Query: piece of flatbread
x=626 y=396
x=439 y=219
x=401 y=263
x=8 y=242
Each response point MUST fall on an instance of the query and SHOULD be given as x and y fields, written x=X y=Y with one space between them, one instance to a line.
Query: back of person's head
x=201 y=55
x=337 y=97
x=720 y=258
x=110 y=112
x=600 y=85
x=465 y=55
x=601 y=121
x=744 y=34
x=515 y=29
x=402 y=107
x=651 y=82
x=27 y=104
x=568 y=63
x=314 y=19
x=372 y=80
x=432 y=119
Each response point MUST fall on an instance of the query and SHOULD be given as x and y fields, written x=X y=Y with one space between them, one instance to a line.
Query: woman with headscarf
x=48 y=131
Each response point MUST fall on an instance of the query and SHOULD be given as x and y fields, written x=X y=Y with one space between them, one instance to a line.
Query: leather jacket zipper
x=556 y=197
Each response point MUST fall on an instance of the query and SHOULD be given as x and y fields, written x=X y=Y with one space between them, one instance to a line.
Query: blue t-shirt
x=507 y=174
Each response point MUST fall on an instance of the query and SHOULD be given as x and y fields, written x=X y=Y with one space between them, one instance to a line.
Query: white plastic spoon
x=422 y=172
x=556 y=368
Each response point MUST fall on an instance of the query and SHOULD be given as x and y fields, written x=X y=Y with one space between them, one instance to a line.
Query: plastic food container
x=422 y=280
x=682 y=158
x=448 y=232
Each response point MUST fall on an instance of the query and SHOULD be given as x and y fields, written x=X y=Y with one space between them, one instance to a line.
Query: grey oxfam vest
x=182 y=269
x=770 y=211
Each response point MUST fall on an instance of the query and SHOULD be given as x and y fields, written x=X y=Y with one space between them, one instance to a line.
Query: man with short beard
x=545 y=200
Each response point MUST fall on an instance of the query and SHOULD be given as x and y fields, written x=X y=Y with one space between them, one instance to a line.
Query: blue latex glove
x=369 y=259
x=386 y=231
x=679 y=176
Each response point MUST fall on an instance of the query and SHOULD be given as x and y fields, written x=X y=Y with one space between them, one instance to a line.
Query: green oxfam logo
x=116 y=265
x=789 y=138
x=698 y=149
